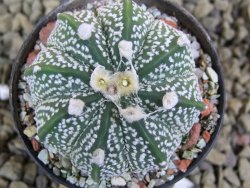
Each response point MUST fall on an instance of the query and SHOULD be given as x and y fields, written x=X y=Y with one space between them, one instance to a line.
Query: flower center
x=113 y=85
x=101 y=81
x=125 y=82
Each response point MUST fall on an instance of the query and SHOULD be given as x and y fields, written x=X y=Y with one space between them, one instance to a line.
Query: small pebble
x=72 y=179
x=232 y=177
x=90 y=181
x=118 y=181
x=3 y=183
x=212 y=75
x=44 y=156
x=184 y=183
x=18 y=184
x=151 y=184
x=203 y=8
x=66 y=163
x=4 y=91
x=56 y=171
x=30 y=131
x=215 y=157
x=243 y=169
x=41 y=181
x=30 y=173
x=126 y=176
x=103 y=184
x=201 y=143
x=82 y=182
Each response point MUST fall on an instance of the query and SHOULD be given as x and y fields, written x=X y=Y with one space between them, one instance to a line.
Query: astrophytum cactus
x=114 y=90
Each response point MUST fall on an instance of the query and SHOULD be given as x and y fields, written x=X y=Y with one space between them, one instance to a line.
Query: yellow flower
x=100 y=79
x=127 y=83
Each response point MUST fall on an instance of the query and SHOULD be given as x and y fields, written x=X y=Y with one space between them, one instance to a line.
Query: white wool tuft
x=118 y=181
x=75 y=107
x=170 y=100
x=98 y=157
x=126 y=49
x=36 y=69
x=132 y=114
x=85 y=31
x=4 y=92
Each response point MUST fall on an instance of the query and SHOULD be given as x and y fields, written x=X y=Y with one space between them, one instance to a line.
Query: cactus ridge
x=114 y=90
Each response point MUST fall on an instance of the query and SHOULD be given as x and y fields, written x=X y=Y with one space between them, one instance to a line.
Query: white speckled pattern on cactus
x=64 y=73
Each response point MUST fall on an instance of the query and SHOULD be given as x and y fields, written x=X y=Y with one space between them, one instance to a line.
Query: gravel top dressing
x=189 y=147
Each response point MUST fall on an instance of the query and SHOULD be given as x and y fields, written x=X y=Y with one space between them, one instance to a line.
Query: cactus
x=114 y=90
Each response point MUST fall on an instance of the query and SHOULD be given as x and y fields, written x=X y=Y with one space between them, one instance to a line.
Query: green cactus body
x=114 y=90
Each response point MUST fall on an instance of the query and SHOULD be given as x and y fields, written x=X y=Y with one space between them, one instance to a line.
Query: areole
x=185 y=19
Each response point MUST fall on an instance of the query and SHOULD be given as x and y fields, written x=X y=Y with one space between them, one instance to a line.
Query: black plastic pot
x=185 y=19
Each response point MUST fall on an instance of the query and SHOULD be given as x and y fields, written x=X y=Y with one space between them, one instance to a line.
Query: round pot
x=184 y=18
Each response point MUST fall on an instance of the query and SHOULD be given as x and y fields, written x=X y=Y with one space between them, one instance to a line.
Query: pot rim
x=184 y=17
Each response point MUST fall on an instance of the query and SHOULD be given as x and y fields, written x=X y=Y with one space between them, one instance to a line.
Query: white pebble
x=184 y=183
x=72 y=179
x=103 y=184
x=82 y=182
x=198 y=73
x=151 y=184
x=75 y=107
x=30 y=131
x=171 y=178
x=195 y=53
x=4 y=92
x=90 y=181
x=195 y=45
x=212 y=75
x=133 y=185
x=204 y=76
x=44 y=156
x=183 y=39
x=85 y=31
x=118 y=181
x=126 y=176
x=89 y=6
x=28 y=99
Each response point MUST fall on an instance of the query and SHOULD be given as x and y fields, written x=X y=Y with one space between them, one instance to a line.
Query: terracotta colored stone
x=142 y=184
x=183 y=164
x=206 y=136
x=194 y=135
x=209 y=109
x=31 y=57
x=170 y=22
x=201 y=89
x=45 y=32
x=170 y=172
x=35 y=144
